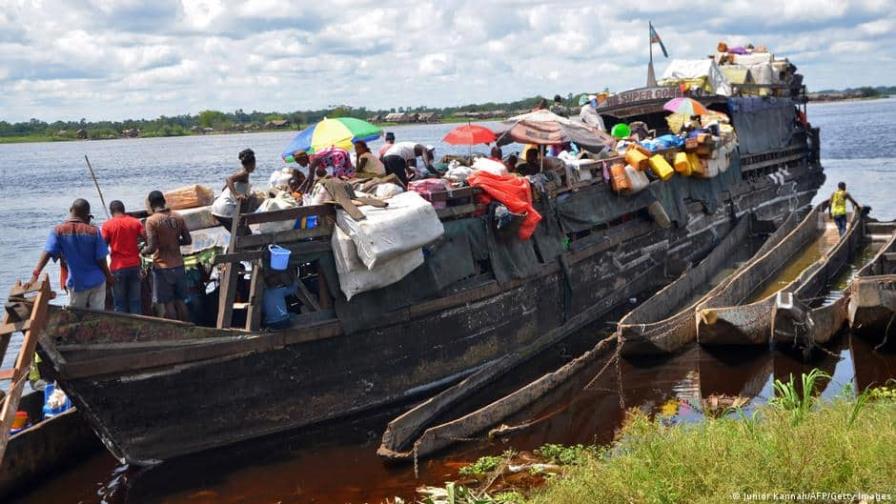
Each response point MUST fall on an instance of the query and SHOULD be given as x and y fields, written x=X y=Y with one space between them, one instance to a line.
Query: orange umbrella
x=469 y=134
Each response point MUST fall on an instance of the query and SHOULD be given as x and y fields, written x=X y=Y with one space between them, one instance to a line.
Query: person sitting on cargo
x=531 y=165
x=236 y=192
x=837 y=207
x=588 y=114
x=496 y=154
x=81 y=246
x=400 y=155
x=122 y=232
x=390 y=141
x=304 y=163
x=166 y=232
x=367 y=164
x=558 y=108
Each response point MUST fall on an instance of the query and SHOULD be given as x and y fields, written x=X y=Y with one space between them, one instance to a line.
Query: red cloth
x=514 y=192
x=121 y=233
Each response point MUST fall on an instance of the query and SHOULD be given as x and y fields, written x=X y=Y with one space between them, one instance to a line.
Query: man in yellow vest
x=837 y=208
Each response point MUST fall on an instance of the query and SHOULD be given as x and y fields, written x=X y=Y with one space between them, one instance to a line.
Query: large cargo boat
x=155 y=389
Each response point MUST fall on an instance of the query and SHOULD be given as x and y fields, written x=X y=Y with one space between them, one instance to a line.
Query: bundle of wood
x=193 y=196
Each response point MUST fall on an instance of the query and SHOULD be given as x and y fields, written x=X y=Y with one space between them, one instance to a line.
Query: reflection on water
x=338 y=463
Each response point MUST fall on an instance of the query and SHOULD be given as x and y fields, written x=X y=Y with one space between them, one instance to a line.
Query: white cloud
x=127 y=58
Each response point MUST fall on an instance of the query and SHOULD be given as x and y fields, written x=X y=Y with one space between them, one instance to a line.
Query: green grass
x=32 y=138
x=846 y=445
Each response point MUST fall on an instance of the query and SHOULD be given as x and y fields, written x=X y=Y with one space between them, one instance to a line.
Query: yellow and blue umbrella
x=338 y=132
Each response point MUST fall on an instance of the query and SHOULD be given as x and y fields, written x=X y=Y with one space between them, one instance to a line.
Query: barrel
x=682 y=165
x=636 y=158
x=661 y=168
x=619 y=179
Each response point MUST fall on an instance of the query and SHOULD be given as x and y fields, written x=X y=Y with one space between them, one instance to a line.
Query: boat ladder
x=25 y=311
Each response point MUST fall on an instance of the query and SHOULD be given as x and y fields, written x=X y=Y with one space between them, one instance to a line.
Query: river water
x=338 y=463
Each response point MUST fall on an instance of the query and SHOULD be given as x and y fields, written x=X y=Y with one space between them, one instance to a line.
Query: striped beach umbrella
x=339 y=132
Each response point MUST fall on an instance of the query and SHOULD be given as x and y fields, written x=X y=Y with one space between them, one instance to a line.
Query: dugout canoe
x=872 y=293
x=44 y=447
x=729 y=317
x=813 y=313
x=665 y=323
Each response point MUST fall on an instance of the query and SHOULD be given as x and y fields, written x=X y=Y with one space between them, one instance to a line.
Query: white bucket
x=279 y=257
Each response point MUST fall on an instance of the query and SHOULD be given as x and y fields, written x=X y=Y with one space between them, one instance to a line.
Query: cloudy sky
x=115 y=59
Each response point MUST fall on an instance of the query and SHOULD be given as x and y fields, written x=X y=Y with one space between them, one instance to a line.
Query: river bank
x=790 y=446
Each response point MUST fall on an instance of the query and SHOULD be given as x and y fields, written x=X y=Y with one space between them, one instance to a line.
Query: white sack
x=199 y=218
x=355 y=278
x=408 y=223
x=490 y=165
x=281 y=202
x=680 y=69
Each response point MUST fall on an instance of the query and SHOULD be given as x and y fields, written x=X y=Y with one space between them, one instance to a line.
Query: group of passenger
x=82 y=250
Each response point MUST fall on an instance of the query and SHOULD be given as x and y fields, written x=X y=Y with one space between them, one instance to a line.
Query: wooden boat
x=872 y=293
x=740 y=312
x=156 y=389
x=665 y=322
x=815 y=311
x=44 y=447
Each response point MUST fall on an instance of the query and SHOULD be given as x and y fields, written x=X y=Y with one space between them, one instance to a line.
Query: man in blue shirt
x=82 y=248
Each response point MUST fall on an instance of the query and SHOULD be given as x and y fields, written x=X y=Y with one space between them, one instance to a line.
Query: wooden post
x=256 y=294
x=38 y=320
x=227 y=292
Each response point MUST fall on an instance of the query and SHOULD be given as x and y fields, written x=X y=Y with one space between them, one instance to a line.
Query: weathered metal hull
x=154 y=389
x=872 y=294
x=725 y=319
x=665 y=323
x=798 y=326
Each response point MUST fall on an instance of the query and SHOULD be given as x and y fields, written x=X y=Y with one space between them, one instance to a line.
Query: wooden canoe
x=799 y=320
x=665 y=323
x=44 y=447
x=729 y=317
x=872 y=293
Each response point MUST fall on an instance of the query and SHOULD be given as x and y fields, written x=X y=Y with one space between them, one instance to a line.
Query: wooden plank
x=19 y=375
x=229 y=348
x=256 y=292
x=290 y=214
x=306 y=296
x=455 y=211
x=227 y=292
x=12 y=327
x=311 y=247
x=291 y=235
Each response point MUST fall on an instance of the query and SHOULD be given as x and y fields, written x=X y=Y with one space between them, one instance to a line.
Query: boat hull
x=649 y=330
x=155 y=390
x=726 y=319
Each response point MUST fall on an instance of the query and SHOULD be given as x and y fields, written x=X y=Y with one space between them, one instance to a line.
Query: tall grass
x=789 y=446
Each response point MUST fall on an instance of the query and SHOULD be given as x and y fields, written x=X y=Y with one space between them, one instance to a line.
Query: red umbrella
x=469 y=134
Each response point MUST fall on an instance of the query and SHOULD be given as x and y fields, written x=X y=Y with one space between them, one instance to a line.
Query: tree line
x=208 y=121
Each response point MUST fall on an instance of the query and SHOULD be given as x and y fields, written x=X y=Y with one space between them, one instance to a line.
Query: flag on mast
x=655 y=39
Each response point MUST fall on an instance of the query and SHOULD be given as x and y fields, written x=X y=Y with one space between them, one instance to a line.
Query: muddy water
x=798 y=263
x=339 y=464
x=836 y=286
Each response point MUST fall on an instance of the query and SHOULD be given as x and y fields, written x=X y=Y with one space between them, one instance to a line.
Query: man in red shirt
x=122 y=232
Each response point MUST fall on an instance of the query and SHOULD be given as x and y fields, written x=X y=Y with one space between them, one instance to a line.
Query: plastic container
x=19 y=422
x=661 y=168
x=636 y=158
x=50 y=411
x=696 y=166
x=682 y=164
x=279 y=257
x=619 y=179
x=637 y=179
x=620 y=131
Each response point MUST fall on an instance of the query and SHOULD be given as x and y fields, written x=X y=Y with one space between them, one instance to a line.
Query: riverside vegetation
x=793 y=444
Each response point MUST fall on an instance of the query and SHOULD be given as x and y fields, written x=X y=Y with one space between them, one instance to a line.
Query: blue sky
x=115 y=59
